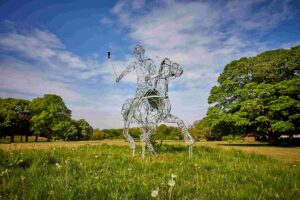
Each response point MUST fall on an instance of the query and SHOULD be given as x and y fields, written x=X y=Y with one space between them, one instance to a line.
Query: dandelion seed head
x=171 y=183
x=154 y=193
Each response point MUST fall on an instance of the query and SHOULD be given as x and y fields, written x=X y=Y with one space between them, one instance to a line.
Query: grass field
x=286 y=154
x=87 y=170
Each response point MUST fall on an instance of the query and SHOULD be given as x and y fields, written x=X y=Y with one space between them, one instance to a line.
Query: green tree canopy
x=260 y=93
x=50 y=115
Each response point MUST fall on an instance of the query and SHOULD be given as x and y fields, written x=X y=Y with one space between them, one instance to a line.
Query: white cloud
x=31 y=84
x=106 y=21
x=201 y=36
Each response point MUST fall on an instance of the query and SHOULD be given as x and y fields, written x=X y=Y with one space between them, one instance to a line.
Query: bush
x=98 y=135
x=232 y=138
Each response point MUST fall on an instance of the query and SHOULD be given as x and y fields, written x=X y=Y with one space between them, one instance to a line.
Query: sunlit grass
x=110 y=172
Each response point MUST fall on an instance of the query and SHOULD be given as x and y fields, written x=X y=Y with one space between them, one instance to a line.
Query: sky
x=60 y=47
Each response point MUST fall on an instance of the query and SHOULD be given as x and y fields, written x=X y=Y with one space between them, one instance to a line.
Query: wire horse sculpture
x=151 y=105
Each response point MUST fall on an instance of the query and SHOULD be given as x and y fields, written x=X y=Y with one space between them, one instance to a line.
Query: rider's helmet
x=139 y=52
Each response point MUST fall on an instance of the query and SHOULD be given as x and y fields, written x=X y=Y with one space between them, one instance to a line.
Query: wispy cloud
x=203 y=37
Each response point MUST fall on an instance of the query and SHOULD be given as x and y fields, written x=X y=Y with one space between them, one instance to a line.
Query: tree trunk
x=21 y=138
x=26 y=136
x=11 y=135
x=273 y=138
x=36 y=137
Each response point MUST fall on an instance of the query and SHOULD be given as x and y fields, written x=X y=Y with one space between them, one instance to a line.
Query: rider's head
x=139 y=52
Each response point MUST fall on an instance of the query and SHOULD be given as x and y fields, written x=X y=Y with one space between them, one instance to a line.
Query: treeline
x=257 y=96
x=163 y=133
x=46 y=117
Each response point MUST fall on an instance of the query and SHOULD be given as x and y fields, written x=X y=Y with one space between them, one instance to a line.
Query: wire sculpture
x=151 y=105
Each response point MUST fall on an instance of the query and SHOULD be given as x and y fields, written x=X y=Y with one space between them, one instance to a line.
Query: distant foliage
x=258 y=94
x=163 y=133
x=47 y=116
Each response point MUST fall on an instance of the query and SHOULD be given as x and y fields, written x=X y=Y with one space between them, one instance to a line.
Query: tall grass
x=110 y=172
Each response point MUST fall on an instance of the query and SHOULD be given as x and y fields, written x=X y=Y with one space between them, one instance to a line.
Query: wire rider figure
x=145 y=69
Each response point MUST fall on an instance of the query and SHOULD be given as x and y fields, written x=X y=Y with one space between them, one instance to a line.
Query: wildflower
x=171 y=183
x=5 y=172
x=58 y=166
x=96 y=156
x=20 y=161
x=51 y=192
x=22 y=178
x=154 y=193
x=129 y=169
x=196 y=165
x=173 y=176
x=294 y=165
x=96 y=177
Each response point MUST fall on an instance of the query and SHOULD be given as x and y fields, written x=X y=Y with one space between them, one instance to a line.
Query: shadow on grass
x=257 y=145
x=171 y=148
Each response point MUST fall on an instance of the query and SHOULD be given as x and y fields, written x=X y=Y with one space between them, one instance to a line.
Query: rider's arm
x=128 y=69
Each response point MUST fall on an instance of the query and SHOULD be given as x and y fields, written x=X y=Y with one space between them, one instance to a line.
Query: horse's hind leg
x=148 y=142
x=146 y=139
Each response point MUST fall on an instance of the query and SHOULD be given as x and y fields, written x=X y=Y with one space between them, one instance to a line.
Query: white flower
x=154 y=193
x=129 y=169
x=96 y=177
x=173 y=176
x=58 y=166
x=171 y=183
x=22 y=178
x=51 y=192
x=96 y=156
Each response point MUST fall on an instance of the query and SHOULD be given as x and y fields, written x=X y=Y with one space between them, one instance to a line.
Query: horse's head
x=169 y=69
x=175 y=70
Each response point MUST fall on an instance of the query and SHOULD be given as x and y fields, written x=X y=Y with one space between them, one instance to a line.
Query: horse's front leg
x=187 y=136
x=128 y=137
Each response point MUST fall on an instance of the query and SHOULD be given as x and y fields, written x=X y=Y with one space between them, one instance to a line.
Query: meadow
x=93 y=171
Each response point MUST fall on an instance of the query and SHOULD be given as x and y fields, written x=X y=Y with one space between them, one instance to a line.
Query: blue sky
x=60 y=47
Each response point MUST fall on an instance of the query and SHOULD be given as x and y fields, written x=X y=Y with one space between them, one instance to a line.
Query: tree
x=50 y=116
x=259 y=94
x=199 y=129
x=85 y=131
x=10 y=116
